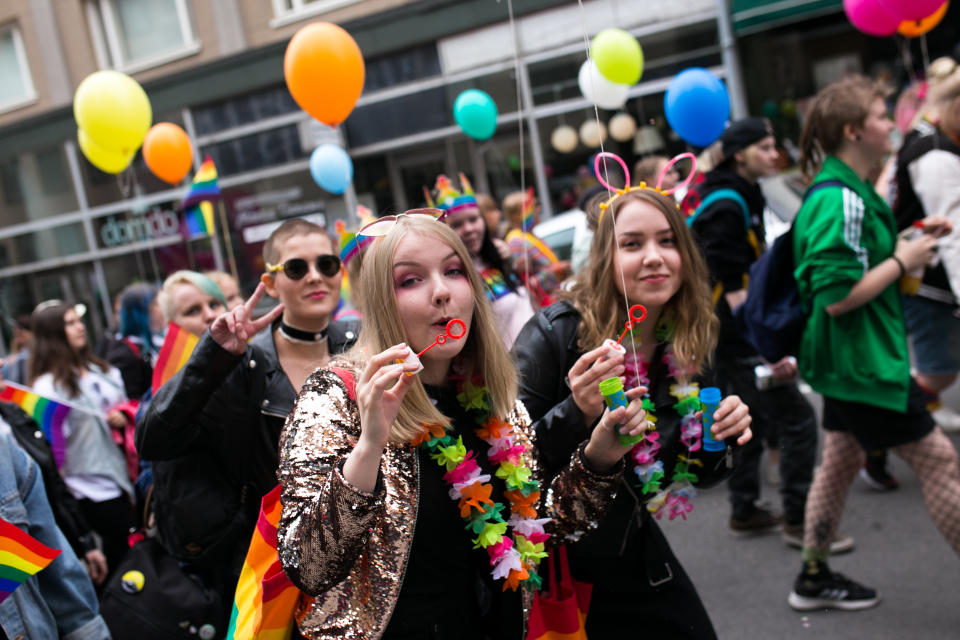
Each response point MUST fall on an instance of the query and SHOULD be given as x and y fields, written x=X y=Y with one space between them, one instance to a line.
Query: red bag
x=560 y=611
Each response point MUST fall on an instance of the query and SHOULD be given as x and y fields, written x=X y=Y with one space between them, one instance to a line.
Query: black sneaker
x=761 y=520
x=878 y=478
x=830 y=590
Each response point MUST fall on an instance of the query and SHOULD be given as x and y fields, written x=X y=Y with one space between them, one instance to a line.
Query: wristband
x=903 y=269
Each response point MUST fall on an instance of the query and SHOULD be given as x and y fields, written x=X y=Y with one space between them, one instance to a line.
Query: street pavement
x=744 y=582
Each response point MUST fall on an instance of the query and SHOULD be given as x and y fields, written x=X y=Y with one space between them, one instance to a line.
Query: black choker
x=299 y=335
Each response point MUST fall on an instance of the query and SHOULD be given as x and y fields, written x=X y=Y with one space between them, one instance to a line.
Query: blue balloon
x=476 y=113
x=331 y=168
x=697 y=106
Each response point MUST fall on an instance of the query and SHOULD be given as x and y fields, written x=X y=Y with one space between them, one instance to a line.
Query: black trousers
x=785 y=411
x=112 y=520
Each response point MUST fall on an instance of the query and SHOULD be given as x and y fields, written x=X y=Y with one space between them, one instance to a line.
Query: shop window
x=401 y=67
x=44 y=244
x=16 y=85
x=132 y=35
x=256 y=151
x=413 y=113
x=35 y=185
x=241 y=110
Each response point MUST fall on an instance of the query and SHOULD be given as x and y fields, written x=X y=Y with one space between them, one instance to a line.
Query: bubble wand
x=455 y=329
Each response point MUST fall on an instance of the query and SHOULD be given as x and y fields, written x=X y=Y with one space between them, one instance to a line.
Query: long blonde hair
x=595 y=293
x=483 y=353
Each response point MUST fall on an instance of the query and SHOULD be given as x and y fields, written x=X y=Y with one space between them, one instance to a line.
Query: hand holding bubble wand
x=455 y=329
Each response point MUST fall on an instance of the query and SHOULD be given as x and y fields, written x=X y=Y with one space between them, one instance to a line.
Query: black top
x=721 y=232
x=448 y=590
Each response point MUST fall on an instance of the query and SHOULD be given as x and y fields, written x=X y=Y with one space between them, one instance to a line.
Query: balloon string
x=523 y=184
x=606 y=171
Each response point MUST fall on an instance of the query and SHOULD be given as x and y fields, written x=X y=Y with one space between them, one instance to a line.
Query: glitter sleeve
x=577 y=497
x=325 y=521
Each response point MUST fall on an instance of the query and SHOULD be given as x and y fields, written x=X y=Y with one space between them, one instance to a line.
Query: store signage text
x=159 y=223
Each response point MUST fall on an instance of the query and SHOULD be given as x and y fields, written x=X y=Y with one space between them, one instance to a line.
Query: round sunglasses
x=297 y=268
x=382 y=226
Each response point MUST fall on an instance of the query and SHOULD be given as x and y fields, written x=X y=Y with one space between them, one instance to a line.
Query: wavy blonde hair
x=595 y=293
x=483 y=353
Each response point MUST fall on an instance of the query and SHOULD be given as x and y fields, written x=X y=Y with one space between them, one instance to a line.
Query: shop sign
x=121 y=230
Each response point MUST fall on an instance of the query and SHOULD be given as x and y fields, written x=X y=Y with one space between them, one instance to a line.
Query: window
x=16 y=85
x=132 y=35
x=287 y=11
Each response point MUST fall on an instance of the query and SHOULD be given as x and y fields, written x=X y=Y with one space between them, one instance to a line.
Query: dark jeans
x=781 y=408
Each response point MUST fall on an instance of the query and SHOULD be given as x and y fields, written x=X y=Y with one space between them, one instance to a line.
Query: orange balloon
x=324 y=70
x=167 y=152
x=914 y=28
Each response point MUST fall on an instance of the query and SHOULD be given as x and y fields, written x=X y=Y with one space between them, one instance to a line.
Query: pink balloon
x=911 y=9
x=871 y=17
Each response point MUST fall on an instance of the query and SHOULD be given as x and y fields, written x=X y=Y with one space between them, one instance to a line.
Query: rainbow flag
x=49 y=414
x=265 y=601
x=204 y=186
x=199 y=220
x=177 y=347
x=520 y=242
x=21 y=556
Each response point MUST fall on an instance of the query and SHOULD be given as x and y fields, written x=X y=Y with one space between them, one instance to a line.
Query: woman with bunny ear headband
x=728 y=225
x=642 y=254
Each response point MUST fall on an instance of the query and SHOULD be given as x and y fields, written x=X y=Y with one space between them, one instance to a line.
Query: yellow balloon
x=113 y=110
x=104 y=159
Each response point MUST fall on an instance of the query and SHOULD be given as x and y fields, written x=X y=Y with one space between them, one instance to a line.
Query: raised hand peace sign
x=232 y=329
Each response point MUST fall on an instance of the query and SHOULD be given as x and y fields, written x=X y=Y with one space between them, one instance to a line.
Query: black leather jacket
x=545 y=350
x=213 y=432
x=66 y=509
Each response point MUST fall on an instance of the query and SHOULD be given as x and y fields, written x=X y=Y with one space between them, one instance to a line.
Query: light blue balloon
x=476 y=113
x=331 y=168
x=697 y=106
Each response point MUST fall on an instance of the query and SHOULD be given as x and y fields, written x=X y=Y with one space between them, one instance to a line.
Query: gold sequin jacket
x=348 y=548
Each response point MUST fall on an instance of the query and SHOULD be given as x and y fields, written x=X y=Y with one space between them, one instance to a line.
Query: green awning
x=756 y=15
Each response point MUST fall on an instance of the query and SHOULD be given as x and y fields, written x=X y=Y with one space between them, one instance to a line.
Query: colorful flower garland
x=513 y=559
x=675 y=498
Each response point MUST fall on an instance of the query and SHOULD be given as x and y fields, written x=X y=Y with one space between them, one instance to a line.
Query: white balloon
x=599 y=90
x=593 y=133
x=622 y=127
x=564 y=139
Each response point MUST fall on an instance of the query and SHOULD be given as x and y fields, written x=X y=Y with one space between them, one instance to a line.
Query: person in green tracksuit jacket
x=849 y=259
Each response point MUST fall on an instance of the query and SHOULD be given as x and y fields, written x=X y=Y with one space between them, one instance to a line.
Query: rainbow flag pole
x=21 y=556
x=49 y=413
x=177 y=346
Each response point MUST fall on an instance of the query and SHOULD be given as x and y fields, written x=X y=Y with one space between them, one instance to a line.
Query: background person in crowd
x=510 y=300
x=849 y=259
x=15 y=367
x=368 y=526
x=211 y=431
x=728 y=226
x=139 y=338
x=58 y=601
x=63 y=366
x=536 y=264
x=228 y=286
x=561 y=361
x=191 y=300
x=493 y=218
x=649 y=169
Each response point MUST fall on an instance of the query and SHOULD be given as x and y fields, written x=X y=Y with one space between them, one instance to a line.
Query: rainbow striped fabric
x=265 y=601
x=199 y=220
x=177 y=346
x=204 y=186
x=49 y=414
x=21 y=556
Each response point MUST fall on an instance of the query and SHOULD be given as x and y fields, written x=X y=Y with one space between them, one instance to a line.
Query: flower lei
x=675 y=498
x=512 y=558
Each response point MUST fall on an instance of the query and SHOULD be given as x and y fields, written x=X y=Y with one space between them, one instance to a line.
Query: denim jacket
x=59 y=601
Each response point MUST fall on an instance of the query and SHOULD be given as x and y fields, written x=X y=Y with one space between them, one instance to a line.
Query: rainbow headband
x=616 y=193
x=449 y=199
x=350 y=244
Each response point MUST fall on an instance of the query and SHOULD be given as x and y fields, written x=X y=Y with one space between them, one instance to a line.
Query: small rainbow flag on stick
x=48 y=413
x=177 y=347
x=200 y=220
x=21 y=556
x=198 y=201
x=265 y=601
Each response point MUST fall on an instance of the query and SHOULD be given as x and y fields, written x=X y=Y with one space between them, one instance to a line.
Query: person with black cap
x=728 y=224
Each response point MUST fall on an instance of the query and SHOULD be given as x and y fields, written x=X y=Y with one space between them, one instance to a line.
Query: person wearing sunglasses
x=213 y=428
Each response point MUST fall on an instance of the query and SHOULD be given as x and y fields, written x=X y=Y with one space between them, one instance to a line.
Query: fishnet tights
x=933 y=459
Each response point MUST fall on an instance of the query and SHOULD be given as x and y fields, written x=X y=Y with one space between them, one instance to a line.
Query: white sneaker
x=947 y=419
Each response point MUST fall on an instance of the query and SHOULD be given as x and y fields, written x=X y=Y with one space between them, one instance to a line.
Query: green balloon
x=618 y=56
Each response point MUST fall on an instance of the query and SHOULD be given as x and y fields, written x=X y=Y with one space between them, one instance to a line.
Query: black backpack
x=772 y=318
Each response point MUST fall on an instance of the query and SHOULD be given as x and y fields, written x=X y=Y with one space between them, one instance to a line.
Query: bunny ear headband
x=626 y=172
